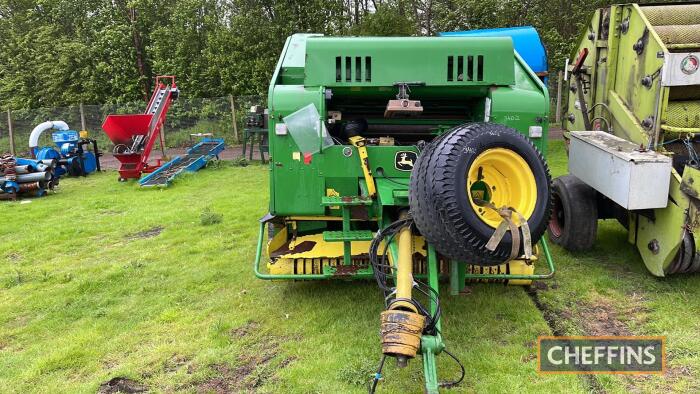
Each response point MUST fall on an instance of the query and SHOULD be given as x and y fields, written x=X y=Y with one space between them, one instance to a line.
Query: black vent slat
x=480 y=68
x=450 y=68
x=465 y=68
x=353 y=71
x=348 y=69
x=368 y=68
x=338 y=71
x=470 y=68
x=460 y=68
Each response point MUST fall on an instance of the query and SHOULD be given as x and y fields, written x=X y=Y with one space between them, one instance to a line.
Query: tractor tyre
x=574 y=222
x=470 y=164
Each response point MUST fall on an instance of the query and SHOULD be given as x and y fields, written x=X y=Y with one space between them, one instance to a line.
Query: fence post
x=82 y=118
x=233 y=116
x=9 y=131
x=559 y=83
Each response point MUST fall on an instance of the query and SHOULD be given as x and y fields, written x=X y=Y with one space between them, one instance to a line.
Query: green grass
x=104 y=280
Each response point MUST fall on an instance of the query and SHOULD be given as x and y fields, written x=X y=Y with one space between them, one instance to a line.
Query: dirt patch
x=551 y=316
x=254 y=368
x=669 y=383
x=150 y=233
x=13 y=257
x=121 y=385
x=601 y=318
x=245 y=329
x=678 y=372
x=179 y=362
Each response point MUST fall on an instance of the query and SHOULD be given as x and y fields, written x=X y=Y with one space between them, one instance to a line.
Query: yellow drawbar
x=502 y=177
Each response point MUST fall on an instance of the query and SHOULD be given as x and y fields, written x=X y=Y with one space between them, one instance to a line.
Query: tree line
x=60 y=52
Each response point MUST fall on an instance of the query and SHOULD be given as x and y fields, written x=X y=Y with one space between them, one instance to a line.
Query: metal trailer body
x=634 y=75
x=332 y=195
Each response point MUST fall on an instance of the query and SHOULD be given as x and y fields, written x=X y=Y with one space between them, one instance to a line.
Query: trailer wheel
x=574 y=221
x=473 y=163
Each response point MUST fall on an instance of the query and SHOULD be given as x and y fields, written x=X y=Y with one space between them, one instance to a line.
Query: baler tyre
x=472 y=162
x=574 y=222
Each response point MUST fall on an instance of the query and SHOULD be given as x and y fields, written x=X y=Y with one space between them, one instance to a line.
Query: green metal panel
x=344 y=61
x=298 y=186
x=295 y=186
x=523 y=105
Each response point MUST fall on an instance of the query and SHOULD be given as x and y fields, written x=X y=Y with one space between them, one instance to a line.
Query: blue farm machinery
x=28 y=177
x=73 y=154
x=196 y=158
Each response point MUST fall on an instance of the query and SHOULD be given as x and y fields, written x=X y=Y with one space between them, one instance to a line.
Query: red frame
x=121 y=128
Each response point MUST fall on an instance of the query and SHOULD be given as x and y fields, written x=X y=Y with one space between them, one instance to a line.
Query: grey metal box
x=632 y=177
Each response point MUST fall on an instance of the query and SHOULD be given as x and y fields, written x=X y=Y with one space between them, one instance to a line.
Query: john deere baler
x=406 y=160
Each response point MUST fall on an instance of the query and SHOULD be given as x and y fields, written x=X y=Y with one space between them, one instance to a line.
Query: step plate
x=340 y=236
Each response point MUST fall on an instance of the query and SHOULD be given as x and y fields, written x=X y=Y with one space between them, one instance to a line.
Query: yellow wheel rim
x=503 y=178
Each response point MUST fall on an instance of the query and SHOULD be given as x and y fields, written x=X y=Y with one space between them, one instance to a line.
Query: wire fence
x=224 y=117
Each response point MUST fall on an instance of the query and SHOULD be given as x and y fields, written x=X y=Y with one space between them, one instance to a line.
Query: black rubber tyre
x=440 y=203
x=75 y=169
x=685 y=261
x=574 y=222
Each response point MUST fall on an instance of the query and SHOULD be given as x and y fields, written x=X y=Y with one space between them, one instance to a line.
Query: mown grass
x=103 y=280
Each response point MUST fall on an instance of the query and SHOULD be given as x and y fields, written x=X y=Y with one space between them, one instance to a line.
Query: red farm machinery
x=134 y=135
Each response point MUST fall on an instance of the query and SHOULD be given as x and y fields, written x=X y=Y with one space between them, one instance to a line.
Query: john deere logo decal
x=689 y=64
x=404 y=160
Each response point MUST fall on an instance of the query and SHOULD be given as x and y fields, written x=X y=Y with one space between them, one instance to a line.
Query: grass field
x=102 y=280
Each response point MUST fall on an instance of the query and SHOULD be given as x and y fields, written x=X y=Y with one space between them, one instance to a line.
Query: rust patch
x=359 y=212
x=347 y=270
x=689 y=190
x=121 y=385
x=301 y=247
x=150 y=233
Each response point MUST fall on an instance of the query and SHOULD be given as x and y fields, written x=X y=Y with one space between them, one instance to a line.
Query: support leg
x=430 y=372
x=347 y=246
x=432 y=345
x=457 y=277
